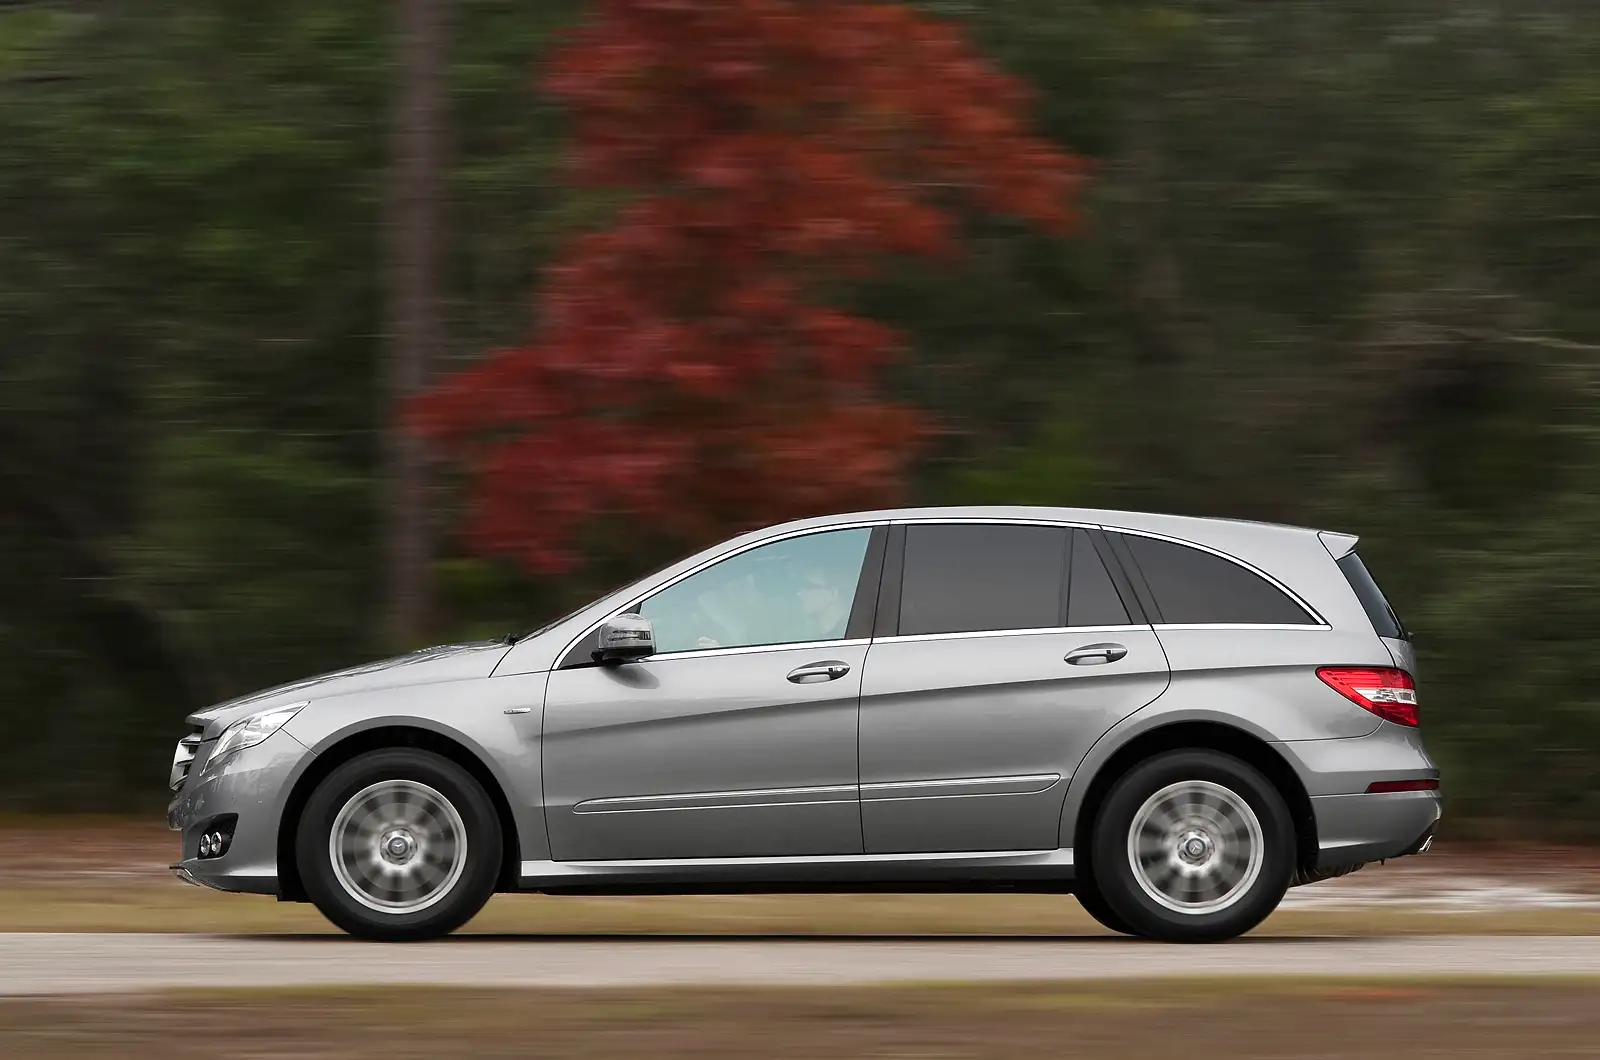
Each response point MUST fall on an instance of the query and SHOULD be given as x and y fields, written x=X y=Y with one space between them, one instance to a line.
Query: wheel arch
x=1201 y=735
x=382 y=737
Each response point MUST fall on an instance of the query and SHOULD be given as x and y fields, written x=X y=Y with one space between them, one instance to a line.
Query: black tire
x=1230 y=900
x=417 y=775
x=1087 y=891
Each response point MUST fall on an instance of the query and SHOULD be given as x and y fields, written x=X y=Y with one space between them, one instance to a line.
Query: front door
x=738 y=738
x=1013 y=651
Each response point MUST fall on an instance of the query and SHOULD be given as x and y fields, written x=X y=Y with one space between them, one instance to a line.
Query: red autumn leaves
x=684 y=365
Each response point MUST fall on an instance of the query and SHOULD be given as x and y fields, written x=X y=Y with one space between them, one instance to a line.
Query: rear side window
x=1384 y=621
x=971 y=577
x=1193 y=587
x=1092 y=598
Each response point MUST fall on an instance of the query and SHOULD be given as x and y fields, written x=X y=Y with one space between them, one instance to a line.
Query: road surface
x=41 y=963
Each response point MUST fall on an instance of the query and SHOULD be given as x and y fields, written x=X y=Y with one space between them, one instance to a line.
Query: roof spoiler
x=1338 y=545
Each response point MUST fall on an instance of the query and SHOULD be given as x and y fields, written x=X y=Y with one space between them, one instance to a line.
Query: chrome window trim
x=713 y=561
x=1319 y=621
x=1303 y=627
x=752 y=649
x=1037 y=632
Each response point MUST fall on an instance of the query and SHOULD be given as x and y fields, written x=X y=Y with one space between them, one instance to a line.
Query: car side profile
x=1174 y=719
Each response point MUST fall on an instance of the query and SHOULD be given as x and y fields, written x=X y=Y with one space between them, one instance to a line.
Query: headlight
x=247 y=732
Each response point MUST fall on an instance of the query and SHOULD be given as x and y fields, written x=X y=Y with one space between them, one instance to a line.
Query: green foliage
x=1337 y=270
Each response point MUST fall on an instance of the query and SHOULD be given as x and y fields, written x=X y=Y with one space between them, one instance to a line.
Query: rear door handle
x=1096 y=654
x=811 y=673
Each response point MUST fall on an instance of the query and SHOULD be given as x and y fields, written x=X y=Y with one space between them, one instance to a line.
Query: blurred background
x=333 y=329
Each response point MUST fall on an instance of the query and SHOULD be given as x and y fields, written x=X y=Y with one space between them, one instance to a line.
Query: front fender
x=472 y=714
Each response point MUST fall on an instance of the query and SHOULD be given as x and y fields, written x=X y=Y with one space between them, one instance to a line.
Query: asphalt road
x=83 y=963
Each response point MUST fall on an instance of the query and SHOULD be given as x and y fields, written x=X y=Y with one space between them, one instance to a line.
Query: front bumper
x=254 y=785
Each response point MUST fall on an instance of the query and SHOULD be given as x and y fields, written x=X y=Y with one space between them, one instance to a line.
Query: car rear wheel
x=1193 y=846
x=399 y=845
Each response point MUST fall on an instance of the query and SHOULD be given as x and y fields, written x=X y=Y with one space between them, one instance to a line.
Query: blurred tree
x=684 y=366
x=416 y=206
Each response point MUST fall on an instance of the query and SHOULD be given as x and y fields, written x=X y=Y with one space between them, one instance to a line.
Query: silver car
x=1173 y=719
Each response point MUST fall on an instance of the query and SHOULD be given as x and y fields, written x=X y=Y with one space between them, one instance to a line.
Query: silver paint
x=954 y=758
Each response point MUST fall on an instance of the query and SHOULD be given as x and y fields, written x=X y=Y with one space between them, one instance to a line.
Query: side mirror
x=625 y=638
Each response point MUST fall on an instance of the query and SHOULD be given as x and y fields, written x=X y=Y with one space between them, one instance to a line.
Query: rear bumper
x=1353 y=826
x=1357 y=828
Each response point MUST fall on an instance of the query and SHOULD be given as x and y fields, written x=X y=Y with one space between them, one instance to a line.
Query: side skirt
x=989 y=870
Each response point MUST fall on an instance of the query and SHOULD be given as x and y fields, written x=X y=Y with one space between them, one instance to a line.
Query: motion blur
x=333 y=329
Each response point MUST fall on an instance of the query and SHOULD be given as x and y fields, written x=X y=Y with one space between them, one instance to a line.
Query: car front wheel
x=1193 y=846
x=399 y=845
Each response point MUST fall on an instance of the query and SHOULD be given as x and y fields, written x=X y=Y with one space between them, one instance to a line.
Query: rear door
x=1002 y=651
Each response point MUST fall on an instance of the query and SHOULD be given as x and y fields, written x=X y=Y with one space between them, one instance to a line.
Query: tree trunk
x=414 y=325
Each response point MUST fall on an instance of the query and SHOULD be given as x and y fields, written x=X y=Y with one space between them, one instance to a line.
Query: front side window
x=790 y=591
x=973 y=577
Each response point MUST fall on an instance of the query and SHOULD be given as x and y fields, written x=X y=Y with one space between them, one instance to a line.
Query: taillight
x=1385 y=787
x=1387 y=692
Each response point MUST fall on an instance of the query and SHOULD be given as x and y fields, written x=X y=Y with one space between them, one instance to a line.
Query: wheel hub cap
x=398 y=846
x=1195 y=847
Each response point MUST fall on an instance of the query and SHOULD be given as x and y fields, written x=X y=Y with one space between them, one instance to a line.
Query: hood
x=449 y=662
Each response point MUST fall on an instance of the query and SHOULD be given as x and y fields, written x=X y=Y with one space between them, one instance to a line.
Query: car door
x=1003 y=652
x=738 y=737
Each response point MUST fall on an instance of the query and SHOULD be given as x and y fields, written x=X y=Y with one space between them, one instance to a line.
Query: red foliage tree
x=682 y=364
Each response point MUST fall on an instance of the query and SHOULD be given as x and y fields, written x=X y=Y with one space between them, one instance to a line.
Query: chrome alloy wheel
x=398 y=846
x=1195 y=847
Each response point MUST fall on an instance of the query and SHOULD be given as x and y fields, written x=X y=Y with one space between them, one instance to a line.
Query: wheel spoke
x=1195 y=847
x=397 y=846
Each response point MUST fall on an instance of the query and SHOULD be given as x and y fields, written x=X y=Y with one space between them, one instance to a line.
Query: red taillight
x=1387 y=692
x=1382 y=787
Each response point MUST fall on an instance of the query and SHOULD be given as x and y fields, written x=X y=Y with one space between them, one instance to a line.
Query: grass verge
x=1240 y=1020
x=170 y=906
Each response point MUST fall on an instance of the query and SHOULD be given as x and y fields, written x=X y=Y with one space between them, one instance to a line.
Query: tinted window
x=1092 y=598
x=1191 y=586
x=1384 y=621
x=798 y=589
x=966 y=578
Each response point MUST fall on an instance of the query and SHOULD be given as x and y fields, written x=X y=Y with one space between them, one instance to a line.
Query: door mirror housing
x=625 y=638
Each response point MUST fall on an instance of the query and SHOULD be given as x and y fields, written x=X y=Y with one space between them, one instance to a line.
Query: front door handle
x=811 y=673
x=1096 y=654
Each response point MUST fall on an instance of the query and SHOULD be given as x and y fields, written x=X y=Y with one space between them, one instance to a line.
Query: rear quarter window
x=1195 y=587
x=1384 y=620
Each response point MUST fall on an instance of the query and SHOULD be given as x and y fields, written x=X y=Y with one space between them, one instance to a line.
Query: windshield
x=616 y=591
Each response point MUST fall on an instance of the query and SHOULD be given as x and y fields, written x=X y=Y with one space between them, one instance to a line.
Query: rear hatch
x=1385 y=622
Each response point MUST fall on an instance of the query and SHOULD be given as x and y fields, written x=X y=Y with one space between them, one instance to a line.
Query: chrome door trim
x=720 y=800
x=960 y=864
x=958 y=787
